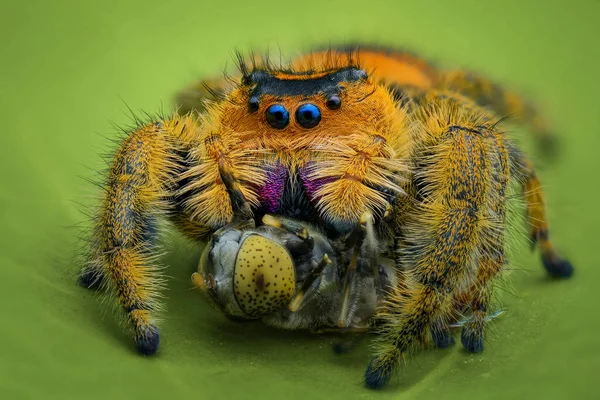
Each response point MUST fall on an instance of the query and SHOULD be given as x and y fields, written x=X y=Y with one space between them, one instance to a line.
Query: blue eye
x=277 y=116
x=308 y=115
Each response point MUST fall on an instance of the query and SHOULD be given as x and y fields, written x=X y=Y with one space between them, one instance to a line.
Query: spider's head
x=247 y=274
x=308 y=108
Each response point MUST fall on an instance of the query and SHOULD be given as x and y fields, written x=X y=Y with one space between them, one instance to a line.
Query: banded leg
x=554 y=264
x=446 y=231
x=491 y=250
x=490 y=265
x=139 y=185
x=174 y=168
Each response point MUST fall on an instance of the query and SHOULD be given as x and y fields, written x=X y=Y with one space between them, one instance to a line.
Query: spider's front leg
x=459 y=168
x=139 y=186
x=167 y=168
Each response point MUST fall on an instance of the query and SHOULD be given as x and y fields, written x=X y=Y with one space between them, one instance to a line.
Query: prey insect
x=369 y=186
x=290 y=274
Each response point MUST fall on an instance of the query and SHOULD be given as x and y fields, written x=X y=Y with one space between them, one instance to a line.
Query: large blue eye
x=277 y=116
x=308 y=115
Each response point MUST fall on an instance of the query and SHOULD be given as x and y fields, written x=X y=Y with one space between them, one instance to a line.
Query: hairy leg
x=360 y=177
x=554 y=264
x=168 y=168
x=122 y=253
x=452 y=178
x=491 y=250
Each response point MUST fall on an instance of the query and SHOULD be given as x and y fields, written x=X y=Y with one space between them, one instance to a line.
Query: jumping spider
x=374 y=183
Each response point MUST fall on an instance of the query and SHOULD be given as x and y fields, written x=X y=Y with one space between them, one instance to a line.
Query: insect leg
x=347 y=290
x=363 y=252
x=298 y=244
x=300 y=294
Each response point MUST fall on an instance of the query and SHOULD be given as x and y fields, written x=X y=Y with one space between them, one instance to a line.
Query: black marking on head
x=265 y=83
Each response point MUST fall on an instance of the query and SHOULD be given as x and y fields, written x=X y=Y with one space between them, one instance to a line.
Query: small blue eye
x=308 y=115
x=277 y=116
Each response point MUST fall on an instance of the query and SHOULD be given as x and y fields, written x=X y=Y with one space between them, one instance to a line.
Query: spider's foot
x=472 y=337
x=147 y=342
x=146 y=335
x=90 y=279
x=442 y=338
x=557 y=267
x=377 y=375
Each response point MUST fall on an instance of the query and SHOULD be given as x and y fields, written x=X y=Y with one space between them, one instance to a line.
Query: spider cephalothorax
x=286 y=136
x=369 y=187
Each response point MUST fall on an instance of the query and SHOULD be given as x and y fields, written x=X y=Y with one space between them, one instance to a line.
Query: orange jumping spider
x=348 y=189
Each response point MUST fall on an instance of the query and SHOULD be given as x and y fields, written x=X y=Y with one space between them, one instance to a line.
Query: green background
x=68 y=68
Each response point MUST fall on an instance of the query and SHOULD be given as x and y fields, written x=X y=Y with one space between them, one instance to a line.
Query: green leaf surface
x=70 y=69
